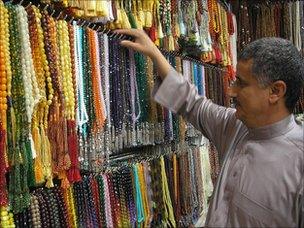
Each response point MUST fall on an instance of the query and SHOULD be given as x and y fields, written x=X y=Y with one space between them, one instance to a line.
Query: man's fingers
x=129 y=32
x=130 y=44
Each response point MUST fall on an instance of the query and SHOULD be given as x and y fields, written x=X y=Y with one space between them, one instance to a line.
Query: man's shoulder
x=296 y=136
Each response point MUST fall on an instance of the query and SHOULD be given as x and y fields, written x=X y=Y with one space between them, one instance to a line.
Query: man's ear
x=277 y=91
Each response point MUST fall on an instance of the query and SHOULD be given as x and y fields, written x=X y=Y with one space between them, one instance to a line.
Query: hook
x=88 y=24
x=98 y=27
x=45 y=7
x=114 y=35
x=83 y=23
x=101 y=29
x=78 y=21
x=28 y=5
x=53 y=11
x=120 y=36
x=65 y=17
x=72 y=18
x=59 y=15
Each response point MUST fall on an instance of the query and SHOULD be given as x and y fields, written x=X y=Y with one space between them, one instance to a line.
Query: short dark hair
x=277 y=59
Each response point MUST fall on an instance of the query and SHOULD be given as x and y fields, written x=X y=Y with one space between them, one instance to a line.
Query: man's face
x=251 y=99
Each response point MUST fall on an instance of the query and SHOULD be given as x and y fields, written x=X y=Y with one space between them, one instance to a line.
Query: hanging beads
x=6 y=218
x=5 y=71
x=3 y=166
x=35 y=214
x=96 y=83
x=66 y=69
x=32 y=93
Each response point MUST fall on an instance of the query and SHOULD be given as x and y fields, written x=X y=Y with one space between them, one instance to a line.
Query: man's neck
x=272 y=117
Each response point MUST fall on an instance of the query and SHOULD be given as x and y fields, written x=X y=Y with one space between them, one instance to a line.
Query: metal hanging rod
x=185 y=57
x=60 y=15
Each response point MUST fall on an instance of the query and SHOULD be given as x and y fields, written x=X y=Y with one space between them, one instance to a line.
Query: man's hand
x=143 y=44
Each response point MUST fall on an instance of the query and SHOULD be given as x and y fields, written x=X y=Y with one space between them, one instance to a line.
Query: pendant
x=120 y=141
x=139 y=135
x=133 y=134
x=152 y=134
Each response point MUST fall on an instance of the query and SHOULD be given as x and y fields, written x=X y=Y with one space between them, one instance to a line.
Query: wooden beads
x=5 y=68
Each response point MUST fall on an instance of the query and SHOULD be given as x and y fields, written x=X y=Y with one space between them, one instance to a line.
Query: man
x=260 y=143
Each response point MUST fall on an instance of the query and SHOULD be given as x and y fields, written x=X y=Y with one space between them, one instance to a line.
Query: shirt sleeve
x=217 y=123
x=300 y=212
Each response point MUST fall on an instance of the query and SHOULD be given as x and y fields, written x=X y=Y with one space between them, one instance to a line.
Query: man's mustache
x=234 y=102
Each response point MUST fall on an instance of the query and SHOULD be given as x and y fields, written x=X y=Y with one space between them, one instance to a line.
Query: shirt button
x=234 y=174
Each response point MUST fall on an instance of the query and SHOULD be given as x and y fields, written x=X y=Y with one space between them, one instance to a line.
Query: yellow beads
x=66 y=69
x=5 y=68
x=6 y=218
x=41 y=65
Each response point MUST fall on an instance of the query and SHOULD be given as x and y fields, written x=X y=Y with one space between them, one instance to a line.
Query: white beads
x=32 y=93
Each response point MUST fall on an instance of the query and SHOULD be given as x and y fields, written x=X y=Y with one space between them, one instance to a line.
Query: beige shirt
x=261 y=179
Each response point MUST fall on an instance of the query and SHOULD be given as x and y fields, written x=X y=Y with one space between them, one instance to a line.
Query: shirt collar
x=273 y=130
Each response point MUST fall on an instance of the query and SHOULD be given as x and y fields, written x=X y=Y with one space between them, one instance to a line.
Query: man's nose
x=232 y=91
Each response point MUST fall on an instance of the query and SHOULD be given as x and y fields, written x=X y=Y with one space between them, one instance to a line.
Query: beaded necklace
x=66 y=68
x=3 y=185
x=45 y=216
x=5 y=68
x=176 y=193
x=144 y=192
x=92 y=218
x=61 y=206
x=199 y=179
x=128 y=102
x=141 y=79
x=41 y=69
x=108 y=202
x=5 y=81
x=70 y=203
x=57 y=134
x=18 y=139
x=125 y=90
x=95 y=198
x=286 y=20
x=104 y=64
x=185 y=189
x=135 y=99
x=96 y=83
x=79 y=204
x=63 y=105
x=73 y=173
x=52 y=207
x=193 y=188
x=29 y=77
x=127 y=190
x=243 y=31
x=101 y=198
x=71 y=30
x=123 y=185
x=31 y=90
x=138 y=199
x=182 y=124
x=82 y=116
x=89 y=101
x=67 y=104
x=150 y=82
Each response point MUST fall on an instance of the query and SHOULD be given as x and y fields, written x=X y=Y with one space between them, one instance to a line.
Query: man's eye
x=236 y=82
